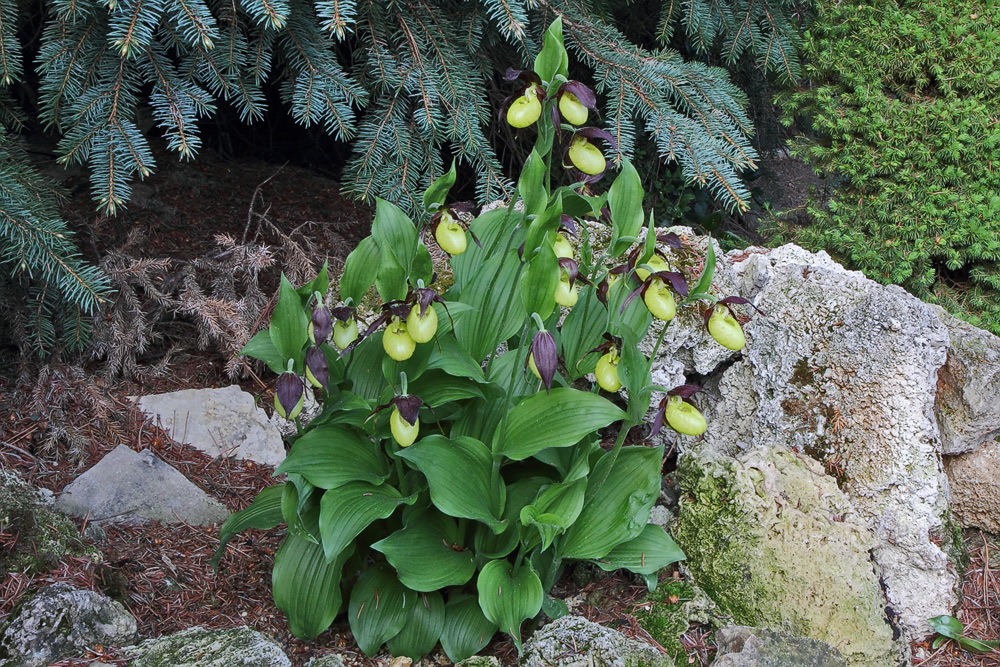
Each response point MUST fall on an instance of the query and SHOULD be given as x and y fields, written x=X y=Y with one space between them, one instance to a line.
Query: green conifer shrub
x=905 y=99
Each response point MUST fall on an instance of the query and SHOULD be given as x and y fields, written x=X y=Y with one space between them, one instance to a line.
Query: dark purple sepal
x=675 y=279
x=568 y=223
x=572 y=269
x=598 y=133
x=343 y=313
x=409 y=407
x=670 y=239
x=729 y=301
x=685 y=391
x=582 y=93
x=543 y=349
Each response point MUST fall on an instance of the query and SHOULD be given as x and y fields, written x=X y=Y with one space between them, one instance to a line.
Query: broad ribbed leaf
x=261 y=347
x=437 y=193
x=360 y=270
x=539 y=283
x=531 y=186
x=428 y=553
x=625 y=202
x=307 y=587
x=651 y=551
x=300 y=508
x=289 y=323
x=458 y=472
x=263 y=513
x=466 y=629
x=557 y=419
x=617 y=510
x=519 y=494
x=330 y=456
x=395 y=233
x=450 y=357
x=347 y=510
x=437 y=388
x=378 y=608
x=499 y=313
x=423 y=628
x=555 y=509
x=508 y=597
x=582 y=331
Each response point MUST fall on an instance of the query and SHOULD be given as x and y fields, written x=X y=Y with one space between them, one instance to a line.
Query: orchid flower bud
x=320 y=325
x=289 y=396
x=607 y=371
x=544 y=357
x=317 y=368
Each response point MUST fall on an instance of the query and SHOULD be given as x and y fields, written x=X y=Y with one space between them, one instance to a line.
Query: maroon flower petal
x=409 y=407
x=676 y=279
x=598 y=133
x=582 y=92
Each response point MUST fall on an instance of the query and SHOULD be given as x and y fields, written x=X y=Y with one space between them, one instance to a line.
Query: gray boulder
x=573 y=641
x=220 y=422
x=773 y=541
x=844 y=370
x=740 y=646
x=968 y=387
x=44 y=535
x=199 y=647
x=975 y=487
x=62 y=621
x=126 y=484
x=329 y=660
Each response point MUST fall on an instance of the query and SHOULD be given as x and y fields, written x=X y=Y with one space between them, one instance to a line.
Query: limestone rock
x=44 y=535
x=774 y=542
x=975 y=487
x=481 y=661
x=127 y=484
x=62 y=621
x=740 y=646
x=573 y=641
x=219 y=422
x=329 y=660
x=844 y=370
x=199 y=647
x=968 y=388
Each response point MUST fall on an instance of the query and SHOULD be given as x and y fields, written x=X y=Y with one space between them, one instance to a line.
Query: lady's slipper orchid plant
x=583 y=155
x=576 y=101
x=524 y=106
x=722 y=325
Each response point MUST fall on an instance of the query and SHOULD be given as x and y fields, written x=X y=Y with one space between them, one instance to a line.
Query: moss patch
x=42 y=535
x=668 y=611
x=772 y=540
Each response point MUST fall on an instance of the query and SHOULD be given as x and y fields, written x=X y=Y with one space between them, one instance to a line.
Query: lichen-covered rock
x=44 y=535
x=775 y=543
x=974 y=479
x=844 y=370
x=62 y=621
x=573 y=641
x=481 y=661
x=968 y=388
x=740 y=646
x=200 y=647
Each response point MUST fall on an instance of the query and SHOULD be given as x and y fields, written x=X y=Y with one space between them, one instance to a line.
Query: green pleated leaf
x=414 y=367
x=360 y=270
x=617 y=510
x=330 y=456
x=423 y=266
x=347 y=510
x=557 y=419
x=364 y=368
x=450 y=357
x=391 y=279
x=704 y=283
x=625 y=202
x=636 y=317
x=395 y=234
x=508 y=598
x=300 y=508
x=552 y=59
x=458 y=472
x=437 y=388
x=539 y=283
x=307 y=587
x=555 y=509
x=321 y=283
x=261 y=347
x=428 y=553
x=379 y=608
x=423 y=628
x=289 y=323
x=263 y=513
x=437 y=193
x=648 y=553
x=466 y=629
x=531 y=186
x=582 y=331
x=949 y=626
x=519 y=494
x=499 y=313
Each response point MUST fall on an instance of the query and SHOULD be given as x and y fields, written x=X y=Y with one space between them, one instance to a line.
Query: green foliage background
x=905 y=98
